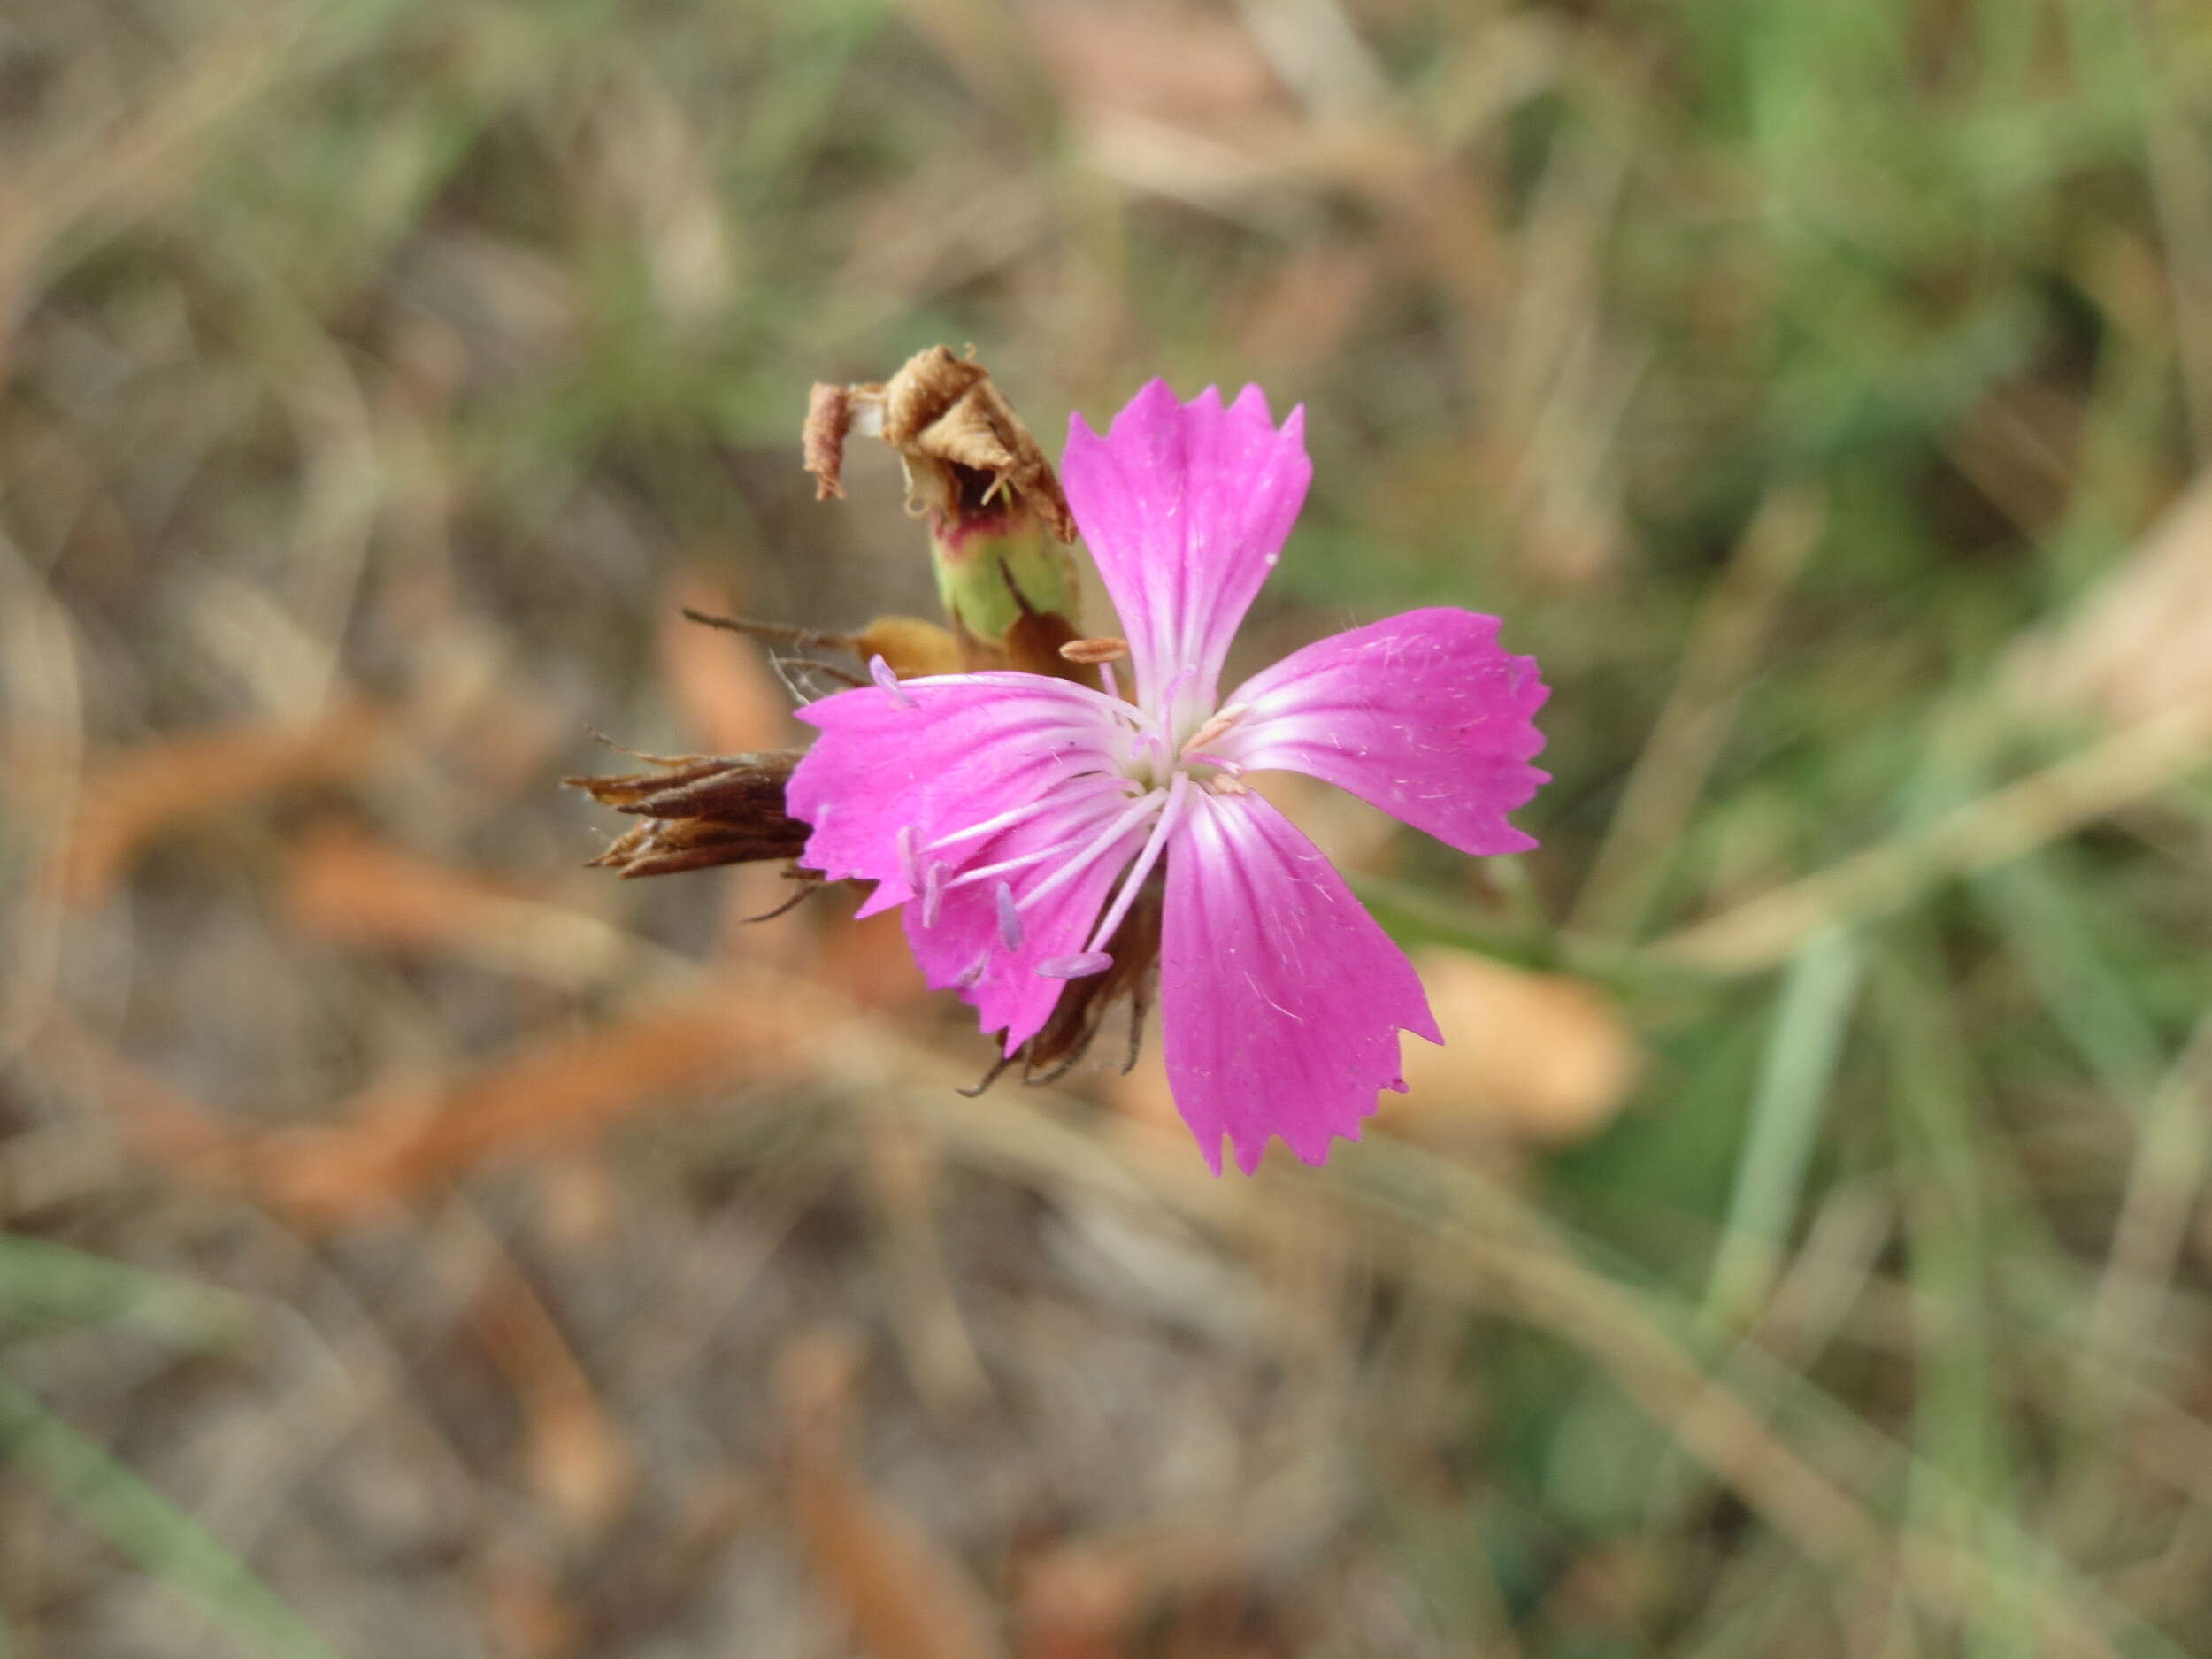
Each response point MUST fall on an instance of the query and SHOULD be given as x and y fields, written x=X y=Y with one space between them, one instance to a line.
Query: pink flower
x=1017 y=817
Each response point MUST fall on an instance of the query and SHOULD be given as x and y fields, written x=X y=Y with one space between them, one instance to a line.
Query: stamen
x=1229 y=766
x=910 y=860
x=991 y=826
x=880 y=672
x=1178 y=793
x=1009 y=918
x=1107 y=649
x=968 y=976
x=1020 y=861
x=1079 y=967
x=1103 y=840
x=1214 y=728
x=933 y=893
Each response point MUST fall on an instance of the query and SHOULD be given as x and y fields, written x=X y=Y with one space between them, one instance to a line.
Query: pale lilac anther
x=1079 y=967
x=882 y=673
x=1027 y=814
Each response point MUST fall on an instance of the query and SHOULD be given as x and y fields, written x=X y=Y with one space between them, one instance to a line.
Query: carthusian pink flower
x=1019 y=819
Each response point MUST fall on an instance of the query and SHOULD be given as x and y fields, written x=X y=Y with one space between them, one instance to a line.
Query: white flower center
x=1154 y=760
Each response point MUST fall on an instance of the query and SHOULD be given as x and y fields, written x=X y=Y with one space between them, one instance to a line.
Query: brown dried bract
x=962 y=442
x=1036 y=644
x=909 y=644
x=700 y=810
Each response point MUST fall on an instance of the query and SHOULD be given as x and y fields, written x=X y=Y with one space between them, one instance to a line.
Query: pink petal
x=936 y=755
x=1184 y=507
x=1008 y=990
x=1421 y=714
x=898 y=771
x=1281 y=1000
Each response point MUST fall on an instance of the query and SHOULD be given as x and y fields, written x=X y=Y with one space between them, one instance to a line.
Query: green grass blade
x=1802 y=1051
x=43 y=1283
x=144 y=1525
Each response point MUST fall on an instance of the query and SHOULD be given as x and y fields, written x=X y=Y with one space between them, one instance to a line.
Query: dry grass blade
x=2164 y=1188
x=1670 y=774
x=907 y=1599
x=2141 y=644
x=576 y=1461
x=2062 y=798
x=400 y=1144
x=129 y=800
x=41 y=739
x=1503 y=1253
x=347 y=886
x=904 y=1168
x=161 y=1123
x=137 y=160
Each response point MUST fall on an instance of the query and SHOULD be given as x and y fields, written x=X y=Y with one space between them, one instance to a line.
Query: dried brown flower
x=963 y=445
x=700 y=810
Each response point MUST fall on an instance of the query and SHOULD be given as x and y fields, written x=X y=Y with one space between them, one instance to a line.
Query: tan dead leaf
x=1541 y=1058
x=345 y=886
x=720 y=682
x=574 y=1459
x=132 y=798
x=2141 y=644
x=397 y=1143
x=907 y=1597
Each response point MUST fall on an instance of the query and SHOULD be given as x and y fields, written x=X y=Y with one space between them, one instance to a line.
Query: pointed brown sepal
x=1080 y=1013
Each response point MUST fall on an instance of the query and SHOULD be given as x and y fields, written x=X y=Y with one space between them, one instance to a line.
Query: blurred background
x=417 y=1243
